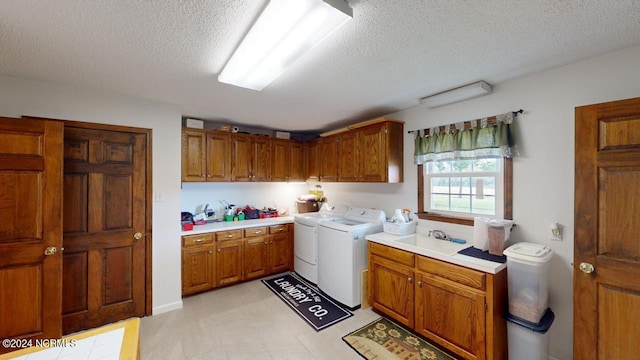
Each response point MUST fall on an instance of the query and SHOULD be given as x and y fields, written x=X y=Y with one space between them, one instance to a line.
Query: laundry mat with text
x=315 y=308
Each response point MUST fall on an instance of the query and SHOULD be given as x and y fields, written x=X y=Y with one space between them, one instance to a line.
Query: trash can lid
x=541 y=327
x=529 y=252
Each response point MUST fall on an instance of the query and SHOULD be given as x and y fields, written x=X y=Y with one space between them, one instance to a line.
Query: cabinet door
x=241 y=151
x=280 y=160
x=256 y=260
x=391 y=289
x=261 y=165
x=296 y=162
x=451 y=315
x=328 y=159
x=279 y=253
x=197 y=269
x=312 y=149
x=373 y=151
x=348 y=157
x=229 y=261
x=194 y=145
x=218 y=157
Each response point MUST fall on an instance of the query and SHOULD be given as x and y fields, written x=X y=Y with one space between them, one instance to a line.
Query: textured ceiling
x=388 y=56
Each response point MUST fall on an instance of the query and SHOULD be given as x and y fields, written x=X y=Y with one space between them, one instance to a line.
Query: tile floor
x=244 y=321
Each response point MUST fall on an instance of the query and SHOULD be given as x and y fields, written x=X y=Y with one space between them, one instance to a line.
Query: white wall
x=24 y=97
x=543 y=174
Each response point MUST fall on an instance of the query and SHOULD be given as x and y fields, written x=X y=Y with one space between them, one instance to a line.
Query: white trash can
x=528 y=280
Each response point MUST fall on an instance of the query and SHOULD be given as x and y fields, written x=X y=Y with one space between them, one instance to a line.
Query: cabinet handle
x=410 y=280
x=257 y=232
x=280 y=230
x=265 y=243
x=218 y=250
x=420 y=283
x=210 y=251
x=229 y=236
x=198 y=240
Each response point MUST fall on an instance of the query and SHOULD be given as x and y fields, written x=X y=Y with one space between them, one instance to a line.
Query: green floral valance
x=488 y=137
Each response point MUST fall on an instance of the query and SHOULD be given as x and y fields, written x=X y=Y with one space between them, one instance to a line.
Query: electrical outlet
x=556 y=232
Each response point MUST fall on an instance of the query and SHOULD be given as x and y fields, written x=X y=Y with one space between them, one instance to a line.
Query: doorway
x=106 y=225
x=606 y=278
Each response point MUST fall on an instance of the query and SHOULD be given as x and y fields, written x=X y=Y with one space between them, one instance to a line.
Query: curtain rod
x=515 y=113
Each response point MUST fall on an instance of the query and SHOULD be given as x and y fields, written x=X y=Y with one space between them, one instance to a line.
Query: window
x=458 y=190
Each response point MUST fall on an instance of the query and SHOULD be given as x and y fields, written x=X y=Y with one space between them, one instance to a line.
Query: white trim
x=157 y=310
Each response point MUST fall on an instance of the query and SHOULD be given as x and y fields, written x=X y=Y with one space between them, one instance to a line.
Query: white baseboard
x=167 y=307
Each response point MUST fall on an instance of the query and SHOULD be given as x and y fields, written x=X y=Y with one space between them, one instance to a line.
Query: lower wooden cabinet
x=228 y=257
x=457 y=308
x=197 y=263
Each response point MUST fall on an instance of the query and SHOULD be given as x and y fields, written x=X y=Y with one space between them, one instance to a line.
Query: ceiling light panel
x=284 y=31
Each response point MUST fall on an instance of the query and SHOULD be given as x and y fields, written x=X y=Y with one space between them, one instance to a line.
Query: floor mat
x=315 y=308
x=386 y=340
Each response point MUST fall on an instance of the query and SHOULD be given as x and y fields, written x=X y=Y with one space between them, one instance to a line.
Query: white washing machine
x=305 y=239
x=342 y=253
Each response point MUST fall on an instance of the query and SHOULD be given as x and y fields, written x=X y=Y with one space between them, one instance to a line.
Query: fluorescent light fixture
x=284 y=31
x=458 y=94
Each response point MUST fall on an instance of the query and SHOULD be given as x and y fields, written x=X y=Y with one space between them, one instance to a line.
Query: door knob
x=50 y=250
x=137 y=236
x=586 y=268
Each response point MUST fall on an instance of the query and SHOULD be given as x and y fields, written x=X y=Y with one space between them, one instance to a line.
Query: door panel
x=607 y=201
x=105 y=206
x=31 y=221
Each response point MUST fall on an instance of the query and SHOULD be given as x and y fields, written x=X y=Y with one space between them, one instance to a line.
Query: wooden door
x=30 y=229
x=279 y=254
x=256 y=260
x=373 y=152
x=261 y=166
x=218 y=157
x=391 y=290
x=197 y=269
x=194 y=154
x=296 y=162
x=105 y=212
x=312 y=156
x=280 y=160
x=451 y=315
x=328 y=159
x=228 y=261
x=607 y=227
x=241 y=151
x=348 y=157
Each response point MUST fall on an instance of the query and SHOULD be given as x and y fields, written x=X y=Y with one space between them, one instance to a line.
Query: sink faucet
x=438 y=234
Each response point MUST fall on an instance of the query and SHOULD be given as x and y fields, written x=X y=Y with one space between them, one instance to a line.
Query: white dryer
x=342 y=253
x=305 y=239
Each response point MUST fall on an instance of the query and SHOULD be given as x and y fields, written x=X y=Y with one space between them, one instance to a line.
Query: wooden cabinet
x=311 y=153
x=205 y=156
x=228 y=257
x=287 y=160
x=327 y=158
x=197 y=263
x=250 y=158
x=371 y=154
x=458 y=308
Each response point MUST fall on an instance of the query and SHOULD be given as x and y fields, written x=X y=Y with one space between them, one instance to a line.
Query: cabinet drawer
x=193 y=240
x=231 y=234
x=459 y=274
x=277 y=229
x=256 y=231
x=400 y=256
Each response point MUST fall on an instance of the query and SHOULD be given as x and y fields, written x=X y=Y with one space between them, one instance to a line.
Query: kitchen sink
x=443 y=247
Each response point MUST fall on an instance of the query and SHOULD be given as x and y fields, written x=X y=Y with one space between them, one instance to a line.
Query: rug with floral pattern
x=385 y=340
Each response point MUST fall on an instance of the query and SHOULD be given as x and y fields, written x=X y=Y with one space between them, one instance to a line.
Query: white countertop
x=233 y=225
x=422 y=244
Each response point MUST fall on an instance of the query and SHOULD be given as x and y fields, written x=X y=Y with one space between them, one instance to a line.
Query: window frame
x=507 y=198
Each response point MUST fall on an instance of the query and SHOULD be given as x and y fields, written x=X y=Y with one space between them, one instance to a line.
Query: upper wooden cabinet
x=287 y=160
x=367 y=152
x=205 y=156
x=250 y=158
